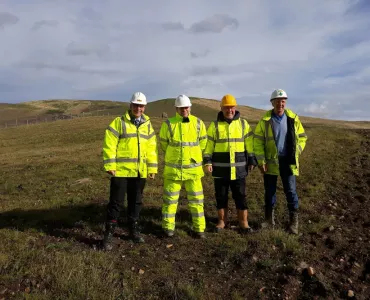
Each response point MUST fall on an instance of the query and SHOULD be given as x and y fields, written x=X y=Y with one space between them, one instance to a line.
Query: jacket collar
x=288 y=113
x=144 y=118
x=221 y=118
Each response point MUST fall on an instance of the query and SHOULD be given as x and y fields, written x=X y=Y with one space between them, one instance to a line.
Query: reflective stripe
x=168 y=201
x=151 y=135
x=302 y=135
x=179 y=144
x=196 y=201
x=260 y=157
x=273 y=161
x=127 y=159
x=203 y=137
x=152 y=165
x=207 y=156
x=176 y=166
x=128 y=135
x=169 y=127
x=232 y=140
x=238 y=164
x=259 y=137
x=243 y=126
x=168 y=215
x=123 y=124
x=300 y=148
x=168 y=193
x=111 y=160
x=249 y=134
x=217 y=133
x=266 y=131
x=210 y=138
x=115 y=132
x=197 y=214
x=195 y=193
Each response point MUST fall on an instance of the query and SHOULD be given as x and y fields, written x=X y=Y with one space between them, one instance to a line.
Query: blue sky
x=318 y=51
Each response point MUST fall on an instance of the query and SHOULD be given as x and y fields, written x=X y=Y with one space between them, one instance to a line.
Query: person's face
x=183 y=111
x=228 y=112
x=137 y=109
x=279 y=106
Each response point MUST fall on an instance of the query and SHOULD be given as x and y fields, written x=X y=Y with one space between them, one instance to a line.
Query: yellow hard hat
x=228 y=100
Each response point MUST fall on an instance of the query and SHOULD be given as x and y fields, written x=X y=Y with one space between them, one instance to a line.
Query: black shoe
x=135 y=233
x=246 y=230
x=200 y=235
x=108 y=236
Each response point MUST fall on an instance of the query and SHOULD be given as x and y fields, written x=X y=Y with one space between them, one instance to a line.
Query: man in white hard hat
x=130 y=155
x=183 y=138
x=279 y=139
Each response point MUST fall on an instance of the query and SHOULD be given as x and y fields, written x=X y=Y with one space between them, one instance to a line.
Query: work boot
x=200 y=235
x=293 y=222
x=222 y=217
x=169 y=233
x=269 y=218
x=108 y=235
x=243 y=221
x=135 y=233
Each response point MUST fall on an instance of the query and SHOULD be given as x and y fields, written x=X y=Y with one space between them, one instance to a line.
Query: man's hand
x=250 y=168
x=263 y=168
x=151 y=175
x=112 y=172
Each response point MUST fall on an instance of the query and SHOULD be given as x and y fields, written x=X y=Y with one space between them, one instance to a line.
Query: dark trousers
x=238 y=190
x=289 y=185
x=119 y=187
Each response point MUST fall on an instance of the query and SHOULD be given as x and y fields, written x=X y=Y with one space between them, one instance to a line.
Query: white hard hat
x=182 y=101
x=278 y=94
x=138 y=98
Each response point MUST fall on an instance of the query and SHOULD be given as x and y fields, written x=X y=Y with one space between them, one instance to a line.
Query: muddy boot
x=293 y=222
x=108 y=236
x=269 y=218
x=200 y=235
x=222 y=216
x=243 y=221
x=135 y=233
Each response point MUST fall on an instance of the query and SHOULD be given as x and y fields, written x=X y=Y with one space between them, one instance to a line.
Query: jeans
x=289 y=185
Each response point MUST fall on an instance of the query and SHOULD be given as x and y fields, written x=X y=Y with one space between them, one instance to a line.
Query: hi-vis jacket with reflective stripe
x=229 y=147
x=183 y=140
x=265 y=146
x=130 y=150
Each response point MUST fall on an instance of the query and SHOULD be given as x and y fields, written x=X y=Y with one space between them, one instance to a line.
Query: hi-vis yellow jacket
x=183 y=141
x=229 y=147
x=129 y=150
x=265 y=146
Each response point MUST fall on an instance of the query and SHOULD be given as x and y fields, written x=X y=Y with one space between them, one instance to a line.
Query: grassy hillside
x=206 y=109
x=53 y=196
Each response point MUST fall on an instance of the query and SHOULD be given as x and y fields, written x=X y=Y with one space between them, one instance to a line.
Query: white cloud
x=86 y=49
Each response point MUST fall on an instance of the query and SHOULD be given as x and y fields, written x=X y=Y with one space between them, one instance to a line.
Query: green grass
x=50 y=221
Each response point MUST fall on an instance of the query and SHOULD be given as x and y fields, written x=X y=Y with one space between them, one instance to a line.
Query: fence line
x=56 y=117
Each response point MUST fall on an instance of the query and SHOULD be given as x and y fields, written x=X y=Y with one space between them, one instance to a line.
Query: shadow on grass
x=85 y=223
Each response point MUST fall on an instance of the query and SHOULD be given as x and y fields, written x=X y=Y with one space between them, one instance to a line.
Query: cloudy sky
x=318 y=51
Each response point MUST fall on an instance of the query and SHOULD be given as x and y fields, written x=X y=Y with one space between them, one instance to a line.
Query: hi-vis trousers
x=171 y=195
